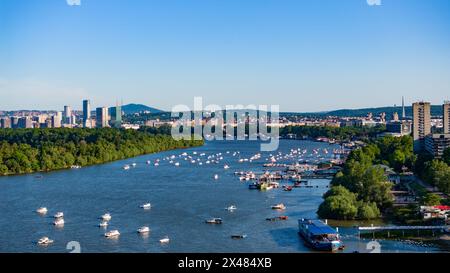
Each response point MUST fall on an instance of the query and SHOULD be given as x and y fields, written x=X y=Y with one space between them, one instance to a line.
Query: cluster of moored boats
x=105 y=219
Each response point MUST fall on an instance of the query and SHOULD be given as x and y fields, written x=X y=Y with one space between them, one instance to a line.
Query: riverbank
x=28 y=151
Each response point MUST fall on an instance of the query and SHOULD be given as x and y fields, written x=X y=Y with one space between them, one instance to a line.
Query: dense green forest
x=32 y=150
x=362 y=190
x=338 y=133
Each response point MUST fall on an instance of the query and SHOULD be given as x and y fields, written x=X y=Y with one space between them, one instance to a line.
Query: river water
x=181 y=197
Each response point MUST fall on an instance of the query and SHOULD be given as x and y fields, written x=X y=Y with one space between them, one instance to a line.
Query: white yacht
x=112 y=233
x=106 y=217
x=146 y=206
x=59 y=222
x=44 y=241
x=59 y=215
x=103 y=224
x=164 y=240
x=142 y=230
x=42 y=210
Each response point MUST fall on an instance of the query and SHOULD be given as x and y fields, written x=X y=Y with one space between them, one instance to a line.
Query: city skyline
x=304 y=56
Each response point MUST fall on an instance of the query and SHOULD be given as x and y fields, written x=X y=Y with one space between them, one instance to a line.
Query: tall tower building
x=102 y=117
x=446 y=119
x=116 y=116
x=57 y=120
x=403 y=108
x=87 y=114
x=67 y=115
x=421 y=124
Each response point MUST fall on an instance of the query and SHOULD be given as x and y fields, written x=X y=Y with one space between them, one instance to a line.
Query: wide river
x=182 y=198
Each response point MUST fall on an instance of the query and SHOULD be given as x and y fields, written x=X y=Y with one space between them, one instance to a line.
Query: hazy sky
x=305 y=55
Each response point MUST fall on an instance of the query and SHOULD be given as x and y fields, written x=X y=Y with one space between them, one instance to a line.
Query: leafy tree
x=368 y=211
x=431 y=199
x=339 y=203
x=446 y=157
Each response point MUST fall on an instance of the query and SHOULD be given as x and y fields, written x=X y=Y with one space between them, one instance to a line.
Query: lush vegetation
x=32 y=150
x=362 y=190
x=434 y=171
x=338 y=133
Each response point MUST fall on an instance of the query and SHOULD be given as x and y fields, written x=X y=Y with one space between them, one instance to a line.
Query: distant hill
x=136 y=108
x=436 y=110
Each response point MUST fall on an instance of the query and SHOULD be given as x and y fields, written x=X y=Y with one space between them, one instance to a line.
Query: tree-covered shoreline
x=25 y=151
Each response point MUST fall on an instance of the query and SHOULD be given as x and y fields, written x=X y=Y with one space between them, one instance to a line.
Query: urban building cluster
x=101 y=117
x=425 y=140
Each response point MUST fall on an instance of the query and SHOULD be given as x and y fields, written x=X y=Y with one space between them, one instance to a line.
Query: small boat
x=177 y=164
x=126 y=167
x=112 y=233
x=240 y=236
x=279 y=207
x=146 y=206
x=42 y=210
x=288 y=188
x=165 y=240
x=319 y=236
x=226 y=167
x=216 y=177
x=231 y=208
x=106 y=217
x=59 y=222
x=215 y=221
x=103 y=224
x=280 y=218
x=142 y=230
x=75 y=167
x=148 y=162
x=156 y=164
x=59 y=215
x=134 y=164
x=44 y=241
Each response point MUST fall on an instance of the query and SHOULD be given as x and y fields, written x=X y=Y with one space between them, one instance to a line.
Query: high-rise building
x=25 y=122
x=67 y=119
x=14 y=122
x=57 y=120
x=102 y=117
x=403 y=108
x=421 y=124
x=436 y=144
x=5 y=122
x=446 y=119
x=116 y=116
x=87 y=114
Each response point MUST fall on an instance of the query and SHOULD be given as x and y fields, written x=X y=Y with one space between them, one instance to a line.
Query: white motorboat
x=59 y=215
x=279 y=207
x=44 y=241
x=177 y=164
x=148 y=162
x=164 y=240
x=112 y=234
x=142 y=230
x=103 y=224
x=226 y=167
x=146 y=206
x=156 y=164
x=106 y=217
x=231 y=208
x=216 y=177
x=42 y=210
x=134 y=164
x=214 y=221
x=59 y=222
x=126 y=167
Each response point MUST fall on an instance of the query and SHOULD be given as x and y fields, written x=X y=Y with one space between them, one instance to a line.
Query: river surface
x=182 y=199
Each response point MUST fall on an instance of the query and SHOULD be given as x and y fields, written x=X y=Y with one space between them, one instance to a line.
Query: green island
x=25 y=151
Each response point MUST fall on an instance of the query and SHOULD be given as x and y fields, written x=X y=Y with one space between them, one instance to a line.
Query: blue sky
x=305 y=55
